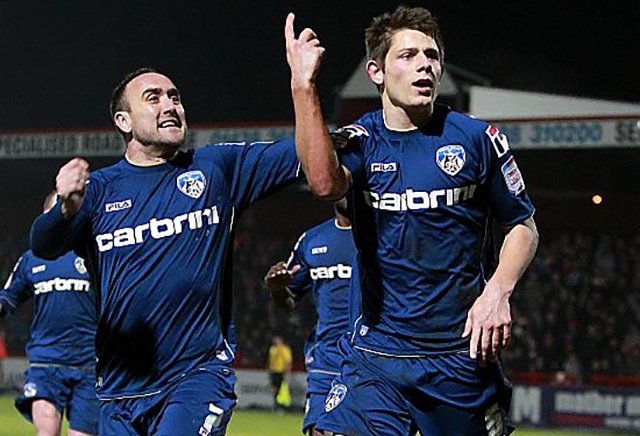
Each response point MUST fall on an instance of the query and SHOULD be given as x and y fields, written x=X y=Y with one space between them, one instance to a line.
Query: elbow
x=327 y=189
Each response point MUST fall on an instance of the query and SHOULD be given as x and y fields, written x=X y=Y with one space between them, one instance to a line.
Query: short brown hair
x=118 y=101
x=378 y=35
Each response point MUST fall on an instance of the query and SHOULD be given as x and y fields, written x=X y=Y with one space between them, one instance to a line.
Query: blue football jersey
x=159 y=239
x=65 y=318
x=422 y=204
x=325 y=254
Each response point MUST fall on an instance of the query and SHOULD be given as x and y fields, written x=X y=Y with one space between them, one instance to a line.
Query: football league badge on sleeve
x=192 y=183
x=451 y=158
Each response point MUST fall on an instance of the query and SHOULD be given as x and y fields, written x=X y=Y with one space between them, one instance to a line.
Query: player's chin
x=174 y=140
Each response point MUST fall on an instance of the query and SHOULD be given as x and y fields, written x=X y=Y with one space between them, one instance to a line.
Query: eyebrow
x=157 y=90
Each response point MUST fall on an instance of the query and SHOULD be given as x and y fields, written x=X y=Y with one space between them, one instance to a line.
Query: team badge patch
x=79 y=264
x=512 y=176
x=335 y=397
x=451 y=158
x=30 y=390
x=192 y=183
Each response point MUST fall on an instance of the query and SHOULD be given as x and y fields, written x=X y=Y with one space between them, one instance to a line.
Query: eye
x=175 y=99
x=153 y=98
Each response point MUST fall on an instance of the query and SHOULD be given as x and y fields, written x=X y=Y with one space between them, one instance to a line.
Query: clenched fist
x=71 y=184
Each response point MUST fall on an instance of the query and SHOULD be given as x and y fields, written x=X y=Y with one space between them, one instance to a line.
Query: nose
x=423 y=62
x=167 y=104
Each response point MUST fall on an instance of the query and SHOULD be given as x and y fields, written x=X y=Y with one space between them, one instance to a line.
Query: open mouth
x=174 y=122
x=423 y=85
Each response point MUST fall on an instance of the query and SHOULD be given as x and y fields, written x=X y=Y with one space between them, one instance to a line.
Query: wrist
x=302 y=87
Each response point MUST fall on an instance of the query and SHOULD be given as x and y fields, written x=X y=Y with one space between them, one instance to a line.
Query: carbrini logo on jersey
x=192 y=183
x=158 y=229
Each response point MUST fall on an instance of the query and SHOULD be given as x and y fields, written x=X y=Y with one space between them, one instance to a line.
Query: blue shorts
x=318 y=386
x=199 y=403
x=437 y=395
x=69 y=389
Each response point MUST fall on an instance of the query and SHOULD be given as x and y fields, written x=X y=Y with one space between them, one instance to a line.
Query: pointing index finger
x=289 y=34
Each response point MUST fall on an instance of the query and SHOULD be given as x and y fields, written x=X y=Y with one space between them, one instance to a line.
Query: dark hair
x=378 y=35
x=118 y=101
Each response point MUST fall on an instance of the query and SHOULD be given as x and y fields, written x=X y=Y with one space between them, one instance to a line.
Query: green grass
x=243 y=423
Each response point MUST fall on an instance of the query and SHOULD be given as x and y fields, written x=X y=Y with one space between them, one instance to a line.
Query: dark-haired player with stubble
x=157 y=228
x=424 y=183
x=60 y=379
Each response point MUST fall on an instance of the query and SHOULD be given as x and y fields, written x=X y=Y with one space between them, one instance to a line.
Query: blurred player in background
x=279 y=365
x=157 y=228
x=320 y=263
x=425 y=182
x=61 y=374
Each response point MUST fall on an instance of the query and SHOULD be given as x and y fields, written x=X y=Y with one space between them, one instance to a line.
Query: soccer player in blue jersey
x=320 y=263
x=61 y=374
x=157 y=229
x=424 y=182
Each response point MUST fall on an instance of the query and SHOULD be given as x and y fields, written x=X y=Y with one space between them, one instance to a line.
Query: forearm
x=51 y=234
x=517 y=251
x=326 y=178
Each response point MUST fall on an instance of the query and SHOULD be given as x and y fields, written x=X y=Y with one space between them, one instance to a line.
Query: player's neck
x=149 y=155
x=402 y=120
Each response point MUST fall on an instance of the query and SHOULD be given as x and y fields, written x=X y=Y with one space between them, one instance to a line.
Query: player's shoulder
x=465 y=123
x=313 y=233
x=108 y=174
x=322 y=228
x=364 y=127
x=28 y=257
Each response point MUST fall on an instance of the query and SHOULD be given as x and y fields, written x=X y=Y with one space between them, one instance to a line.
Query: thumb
x=467 y=326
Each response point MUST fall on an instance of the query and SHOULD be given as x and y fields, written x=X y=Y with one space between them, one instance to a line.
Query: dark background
x=60 y=59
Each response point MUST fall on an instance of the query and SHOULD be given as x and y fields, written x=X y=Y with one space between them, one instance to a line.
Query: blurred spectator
x=279 y=365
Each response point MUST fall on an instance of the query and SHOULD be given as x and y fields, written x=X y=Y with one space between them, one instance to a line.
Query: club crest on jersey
x=451 y=158
x=192 y=183
x=512 y=176
x=335 y=396
x=79 y=264
x=30 y=390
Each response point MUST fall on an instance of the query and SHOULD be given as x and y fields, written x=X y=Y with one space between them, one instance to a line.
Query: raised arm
x=326 y=177
x=54 y=232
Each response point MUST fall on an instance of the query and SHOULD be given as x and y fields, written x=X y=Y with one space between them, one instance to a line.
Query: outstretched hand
x=304 y=54
x=279 y=276
x=71 y=184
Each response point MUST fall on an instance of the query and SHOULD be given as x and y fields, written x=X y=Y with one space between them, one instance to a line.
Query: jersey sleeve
x=259 y=168
x=301 y=283
x=17 y=289
x=52 y=235
x=508 y=198
x=348 y=142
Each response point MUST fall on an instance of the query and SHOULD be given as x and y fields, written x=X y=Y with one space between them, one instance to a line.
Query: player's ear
x=122 y=120
x=375 y=71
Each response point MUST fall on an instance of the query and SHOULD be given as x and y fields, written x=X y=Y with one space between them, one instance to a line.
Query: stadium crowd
x=576 y=311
